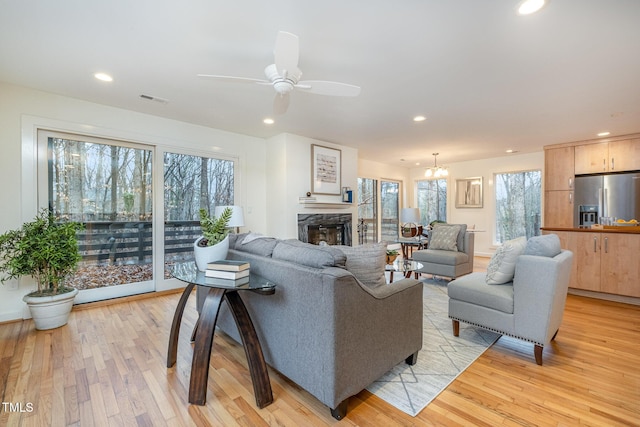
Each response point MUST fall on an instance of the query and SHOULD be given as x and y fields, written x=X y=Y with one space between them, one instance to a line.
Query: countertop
x=606 y=229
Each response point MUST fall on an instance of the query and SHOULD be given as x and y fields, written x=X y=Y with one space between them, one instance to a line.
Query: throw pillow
x=445 y=237
x=547 y=245
x=502 y=266
x=367 y=262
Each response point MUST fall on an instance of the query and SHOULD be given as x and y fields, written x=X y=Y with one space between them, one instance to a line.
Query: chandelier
x=436 y=171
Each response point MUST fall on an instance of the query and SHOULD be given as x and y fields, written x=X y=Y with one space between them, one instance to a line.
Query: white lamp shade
x=410 y=215
x=237 y=215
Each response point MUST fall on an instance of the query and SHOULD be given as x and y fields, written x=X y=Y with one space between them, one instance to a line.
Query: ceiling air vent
x=154 y=99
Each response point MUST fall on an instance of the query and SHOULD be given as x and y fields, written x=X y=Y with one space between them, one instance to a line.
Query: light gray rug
x=442 y=358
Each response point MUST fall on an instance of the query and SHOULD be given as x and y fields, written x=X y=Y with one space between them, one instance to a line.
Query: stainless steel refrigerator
x=616 y=196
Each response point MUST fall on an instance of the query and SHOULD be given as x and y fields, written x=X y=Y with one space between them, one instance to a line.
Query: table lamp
x=410 y=218
x=237 y=216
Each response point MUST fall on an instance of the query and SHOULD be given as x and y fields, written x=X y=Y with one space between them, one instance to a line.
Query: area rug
x=442 y=358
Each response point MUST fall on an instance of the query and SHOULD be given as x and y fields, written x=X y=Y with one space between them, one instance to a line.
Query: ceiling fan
x=284 y=75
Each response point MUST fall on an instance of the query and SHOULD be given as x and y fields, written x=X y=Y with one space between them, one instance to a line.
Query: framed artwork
x=469 y=192
x=326 y=170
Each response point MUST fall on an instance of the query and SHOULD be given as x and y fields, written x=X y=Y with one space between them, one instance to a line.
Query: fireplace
x=332 y=229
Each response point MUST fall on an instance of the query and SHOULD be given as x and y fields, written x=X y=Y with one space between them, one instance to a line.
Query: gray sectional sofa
x=323 y=328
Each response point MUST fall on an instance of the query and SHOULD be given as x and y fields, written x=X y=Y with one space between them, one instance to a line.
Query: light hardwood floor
x=107 y=368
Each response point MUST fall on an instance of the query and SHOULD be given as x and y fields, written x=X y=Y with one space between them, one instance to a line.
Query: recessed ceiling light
x=511 y=151
x=527 y=7
x=419 y=118
x=103 y=77
x=417 y=163
x=604 y=133
x=268 y=121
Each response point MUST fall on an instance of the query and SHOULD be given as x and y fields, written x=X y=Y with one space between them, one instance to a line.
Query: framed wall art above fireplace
x=326 y=170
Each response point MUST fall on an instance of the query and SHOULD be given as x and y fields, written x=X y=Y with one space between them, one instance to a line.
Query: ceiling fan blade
x=281 y=103
x=286 y=53
x=232 y=79
x=320 y=87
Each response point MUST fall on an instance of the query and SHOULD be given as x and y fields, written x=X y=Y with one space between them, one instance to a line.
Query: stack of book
x=227 y=272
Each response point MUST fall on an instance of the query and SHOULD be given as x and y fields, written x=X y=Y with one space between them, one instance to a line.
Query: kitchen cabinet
x=559 y=166
x=620 y=269
x=614 y=156
x=558 y=184
x=603 y=262
x=624 y=155
x=558 y=209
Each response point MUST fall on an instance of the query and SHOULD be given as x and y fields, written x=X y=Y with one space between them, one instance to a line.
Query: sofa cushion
x=367 y=262
x=253 y=243
x=316 y=256
x=436 y=256
x=502 y=266
x=547 y=245
x=445 y=237
x=473 y=289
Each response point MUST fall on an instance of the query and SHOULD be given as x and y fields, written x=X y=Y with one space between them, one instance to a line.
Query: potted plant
x=47 y=251
x=214 y=243
x=392 y=254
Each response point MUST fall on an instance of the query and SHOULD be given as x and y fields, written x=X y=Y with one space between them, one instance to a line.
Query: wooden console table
x=187 y=272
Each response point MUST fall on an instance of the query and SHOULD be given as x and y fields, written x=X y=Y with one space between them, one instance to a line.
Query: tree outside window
x=518 y=205
x=432 y=200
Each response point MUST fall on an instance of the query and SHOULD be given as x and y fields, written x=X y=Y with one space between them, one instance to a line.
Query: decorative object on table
x=326 y=170
x=410 y=218
x=392 y=254
x=214 y=244
x=347 y=195
x=218 y=281
x=469 y=192
x=48 y=251
x=228 y=265
x=223 y=274
x=436 y=171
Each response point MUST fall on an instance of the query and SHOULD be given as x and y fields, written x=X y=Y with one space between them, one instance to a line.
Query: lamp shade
x=237 y=215
x=411 y=215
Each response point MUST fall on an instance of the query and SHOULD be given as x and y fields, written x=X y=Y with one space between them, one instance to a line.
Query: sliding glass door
x=390 y=207
x=106 y=186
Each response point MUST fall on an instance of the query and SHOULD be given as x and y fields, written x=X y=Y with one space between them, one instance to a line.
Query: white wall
x=289 y=177
x=483 y=218
x=21 y=110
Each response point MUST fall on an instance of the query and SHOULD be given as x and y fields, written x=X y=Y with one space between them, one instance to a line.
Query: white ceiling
x=486 y=79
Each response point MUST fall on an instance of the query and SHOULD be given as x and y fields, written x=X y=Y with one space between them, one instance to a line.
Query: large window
x=390 y=206
x=432 y=200
x=191 y=183
x=518 y=198
x=367 y=210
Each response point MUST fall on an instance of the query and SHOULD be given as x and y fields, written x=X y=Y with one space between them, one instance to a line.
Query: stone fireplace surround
x=332 y=228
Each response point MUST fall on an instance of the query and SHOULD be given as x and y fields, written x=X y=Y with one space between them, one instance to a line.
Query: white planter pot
x=207 y=254
x=51 y=312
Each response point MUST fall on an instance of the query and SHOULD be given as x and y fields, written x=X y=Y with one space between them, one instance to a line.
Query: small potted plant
x=392 y=254
x=213 y=245
x=47 y=251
